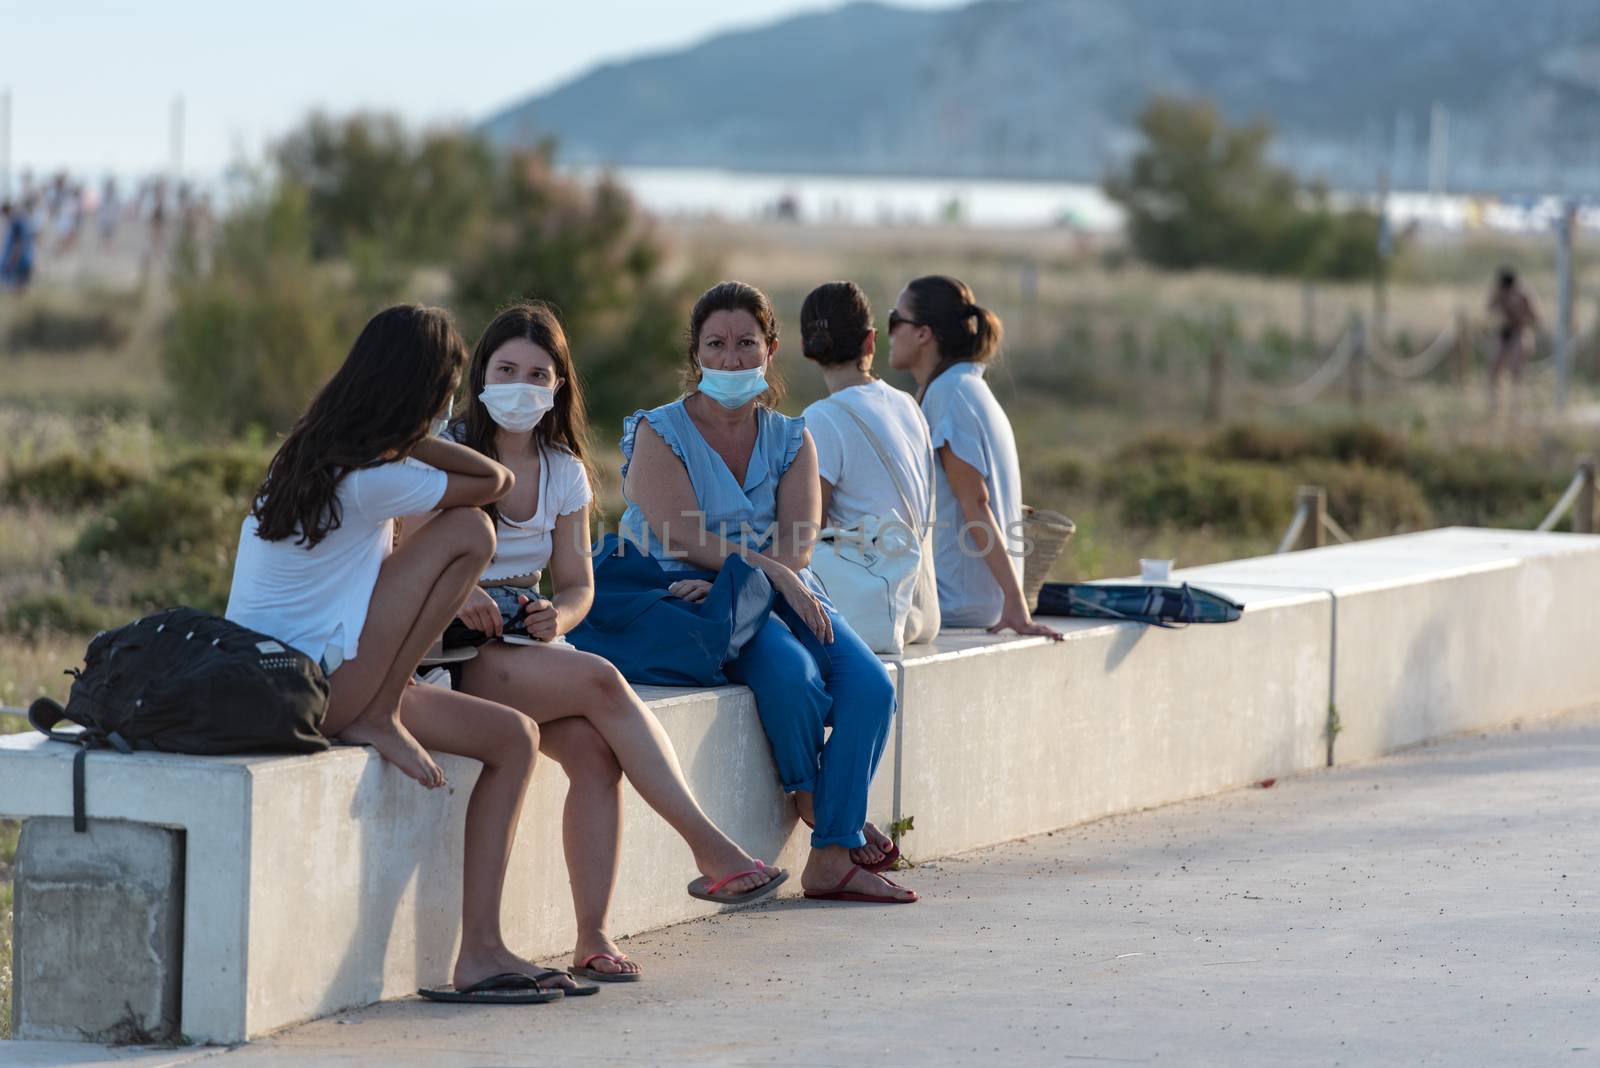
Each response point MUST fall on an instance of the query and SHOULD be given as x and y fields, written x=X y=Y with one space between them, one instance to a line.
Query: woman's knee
x=583 y=753
x=518 y=745
x=471 y=531
x=604 y=684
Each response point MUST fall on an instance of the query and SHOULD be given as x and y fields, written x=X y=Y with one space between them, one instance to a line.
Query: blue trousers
x=799 y=699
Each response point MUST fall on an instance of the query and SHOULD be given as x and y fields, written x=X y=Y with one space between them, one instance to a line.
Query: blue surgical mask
x=437 y=426
x=733 y=389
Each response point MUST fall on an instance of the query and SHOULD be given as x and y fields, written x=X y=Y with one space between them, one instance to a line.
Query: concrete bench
x=312 y=884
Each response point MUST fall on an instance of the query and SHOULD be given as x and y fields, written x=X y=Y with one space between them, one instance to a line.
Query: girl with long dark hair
x=527 y=411
x=315 y=571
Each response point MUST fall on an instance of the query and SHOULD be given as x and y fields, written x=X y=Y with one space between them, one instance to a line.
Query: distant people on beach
x=17 y=245
x=1516 y=318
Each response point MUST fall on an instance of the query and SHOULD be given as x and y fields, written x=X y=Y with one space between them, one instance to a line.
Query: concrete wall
x=317 y=883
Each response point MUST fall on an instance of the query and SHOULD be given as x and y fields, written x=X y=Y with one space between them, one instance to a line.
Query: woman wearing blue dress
x=721 y=473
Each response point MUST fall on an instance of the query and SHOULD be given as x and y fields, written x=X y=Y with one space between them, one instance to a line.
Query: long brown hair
x=400 y=372
x=734 y=296
x=566 y=425
x=965 y=331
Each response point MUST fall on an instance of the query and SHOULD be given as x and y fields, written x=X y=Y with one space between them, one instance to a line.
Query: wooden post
x=1315 y=501
x=1463 y=354
x=1357 y=358
x=1583 y=512
x=1308 y=314
x=1217 y=380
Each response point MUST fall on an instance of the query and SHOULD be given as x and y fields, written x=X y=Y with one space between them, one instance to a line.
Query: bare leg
x=551 y=683
x=507 y=745
x=591 y=832
x=420 y=588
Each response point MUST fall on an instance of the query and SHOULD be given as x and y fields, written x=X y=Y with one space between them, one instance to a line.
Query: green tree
x=1203 y=193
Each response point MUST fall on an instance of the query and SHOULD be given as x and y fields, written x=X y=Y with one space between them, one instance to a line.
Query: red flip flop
x=882 y=864
x=839 y=893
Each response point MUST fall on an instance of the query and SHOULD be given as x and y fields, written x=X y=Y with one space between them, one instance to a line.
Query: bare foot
x=476 y=967
x=877 y=847
x=827 y=868
x=395 y=744
x=596 y=942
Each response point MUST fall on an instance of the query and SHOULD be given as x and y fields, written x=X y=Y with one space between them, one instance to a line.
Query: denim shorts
x=506 y=599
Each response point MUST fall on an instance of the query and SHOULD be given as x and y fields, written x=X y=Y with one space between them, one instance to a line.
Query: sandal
x=890 y=857
x=507 y=988
x=582 y=969
x=706 y=890
x=839 y=893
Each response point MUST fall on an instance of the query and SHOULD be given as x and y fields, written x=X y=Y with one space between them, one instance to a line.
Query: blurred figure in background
x=1512 y=305
x=16 y=246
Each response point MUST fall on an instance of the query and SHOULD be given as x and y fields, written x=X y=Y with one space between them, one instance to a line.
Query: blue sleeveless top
x=745 y=513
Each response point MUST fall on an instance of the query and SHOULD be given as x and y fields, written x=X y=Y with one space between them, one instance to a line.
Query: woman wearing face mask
x=941 y=335
x=527 y=413
x=721 y=473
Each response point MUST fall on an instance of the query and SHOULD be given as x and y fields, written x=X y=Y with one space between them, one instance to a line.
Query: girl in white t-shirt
x=527 y=412
x=315 y=571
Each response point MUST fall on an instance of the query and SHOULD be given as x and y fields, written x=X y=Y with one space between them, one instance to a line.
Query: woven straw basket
x=1049 y=532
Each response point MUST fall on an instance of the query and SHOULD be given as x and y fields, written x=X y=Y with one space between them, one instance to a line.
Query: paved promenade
x=1436 y=907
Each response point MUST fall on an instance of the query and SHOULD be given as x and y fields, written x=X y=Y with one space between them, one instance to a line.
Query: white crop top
x=524 y=546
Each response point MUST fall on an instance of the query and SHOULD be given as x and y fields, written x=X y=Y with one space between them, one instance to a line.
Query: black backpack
x=185 y=681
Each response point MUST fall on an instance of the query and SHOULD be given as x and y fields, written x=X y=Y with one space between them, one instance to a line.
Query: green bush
x=69 y=480
x=1193 y=491
x=257 y=329
x=1158 y=446
x=91 y=323
x=1477 y=486
x=1345 y=442
x=60 y=613
x=1368 y=501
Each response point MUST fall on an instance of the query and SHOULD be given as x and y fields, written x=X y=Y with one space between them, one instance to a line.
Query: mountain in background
x=1051 y=89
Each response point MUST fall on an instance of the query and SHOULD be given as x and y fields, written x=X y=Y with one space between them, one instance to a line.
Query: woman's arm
x=475 y=479
x=571 y=571
x=972 y=494
x=800 y=509
x=659 y=484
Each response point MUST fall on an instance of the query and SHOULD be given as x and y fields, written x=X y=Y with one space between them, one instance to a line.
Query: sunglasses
x=895 y=319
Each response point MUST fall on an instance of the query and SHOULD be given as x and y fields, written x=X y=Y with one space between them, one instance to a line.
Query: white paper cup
x=1155 y=570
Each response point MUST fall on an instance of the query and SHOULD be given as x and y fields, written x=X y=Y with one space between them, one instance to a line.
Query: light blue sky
x=92 y=82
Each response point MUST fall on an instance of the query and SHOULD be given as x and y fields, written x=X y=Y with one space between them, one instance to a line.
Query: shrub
x=1345 y=442
x=69 y=480
x=53 y=326
x=1192 y=491
x=1368 y=501
x=259 y=328
x=59 y=613
x=1476 y=486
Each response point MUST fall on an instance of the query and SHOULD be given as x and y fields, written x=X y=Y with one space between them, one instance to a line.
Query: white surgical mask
x=733 y=389
x=437 y=426
x=517 y=406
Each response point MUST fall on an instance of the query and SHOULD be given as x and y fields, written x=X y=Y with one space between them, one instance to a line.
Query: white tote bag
x=870 y=569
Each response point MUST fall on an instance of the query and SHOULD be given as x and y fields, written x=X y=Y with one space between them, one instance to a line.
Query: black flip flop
x=507 y=988
x=577 y=990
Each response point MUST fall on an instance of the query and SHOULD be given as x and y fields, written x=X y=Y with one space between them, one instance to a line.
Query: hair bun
x=819 y=342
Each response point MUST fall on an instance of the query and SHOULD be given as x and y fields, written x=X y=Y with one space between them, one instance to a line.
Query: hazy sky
x=92 y=83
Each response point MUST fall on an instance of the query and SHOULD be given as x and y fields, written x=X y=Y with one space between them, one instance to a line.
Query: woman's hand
x=1015 y=616
x=692 y=590
x=539 y=619
x=481 y=613
x=793 y=589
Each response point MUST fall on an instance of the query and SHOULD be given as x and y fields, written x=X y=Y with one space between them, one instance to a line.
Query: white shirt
x=523 y=546
x=862 y=485
x=307 y=596
x=963 y=414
